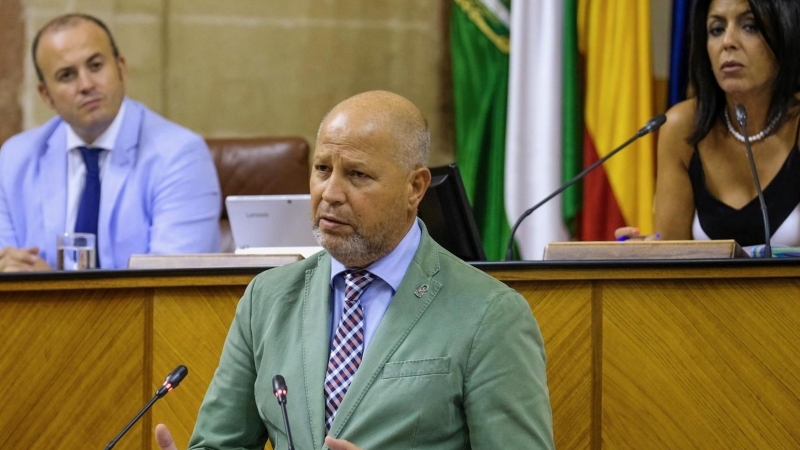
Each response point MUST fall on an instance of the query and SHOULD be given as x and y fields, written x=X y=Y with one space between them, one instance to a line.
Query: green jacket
x=459 y=365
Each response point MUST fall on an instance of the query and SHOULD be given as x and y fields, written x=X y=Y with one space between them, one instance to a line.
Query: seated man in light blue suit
x=151 y=186
x=387 y=340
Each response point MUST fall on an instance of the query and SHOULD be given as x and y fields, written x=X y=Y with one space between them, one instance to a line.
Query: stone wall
x=261 y=67
x=12 y=42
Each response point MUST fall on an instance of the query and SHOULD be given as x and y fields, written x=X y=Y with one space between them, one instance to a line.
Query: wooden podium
x=656 y=355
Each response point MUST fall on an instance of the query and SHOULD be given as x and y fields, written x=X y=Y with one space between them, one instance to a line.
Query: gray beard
x=355 y=251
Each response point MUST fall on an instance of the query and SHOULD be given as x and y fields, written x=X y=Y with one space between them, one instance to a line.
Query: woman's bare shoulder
x=681 y=117
x=672 y=137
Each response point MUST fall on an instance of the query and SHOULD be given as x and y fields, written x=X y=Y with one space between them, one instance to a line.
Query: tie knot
x=91 y=158
x=355 y=283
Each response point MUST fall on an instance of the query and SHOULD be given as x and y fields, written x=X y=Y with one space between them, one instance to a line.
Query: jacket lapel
x=53 y=185
x=316 y=337
x=116 y=172
x=409 y=303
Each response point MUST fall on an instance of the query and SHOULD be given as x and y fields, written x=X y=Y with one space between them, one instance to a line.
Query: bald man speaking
x=387 y=340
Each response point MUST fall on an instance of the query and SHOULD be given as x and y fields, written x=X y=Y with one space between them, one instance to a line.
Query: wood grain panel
x=690 y=364
x=189 y=328
x=639 y=356
x=563 y=311
x=71 y=368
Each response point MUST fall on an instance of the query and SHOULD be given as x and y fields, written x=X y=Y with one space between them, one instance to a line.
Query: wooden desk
x=656 y=355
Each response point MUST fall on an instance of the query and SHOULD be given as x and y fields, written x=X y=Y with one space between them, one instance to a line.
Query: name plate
x=611 y=250
x=209 y=260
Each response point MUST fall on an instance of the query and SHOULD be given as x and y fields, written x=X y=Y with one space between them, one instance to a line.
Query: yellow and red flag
x=614 y=39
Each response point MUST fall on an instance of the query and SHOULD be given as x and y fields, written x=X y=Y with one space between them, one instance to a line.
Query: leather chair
x=258 y=166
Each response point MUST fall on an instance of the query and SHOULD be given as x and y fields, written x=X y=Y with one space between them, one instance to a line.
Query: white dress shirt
x=389 y=272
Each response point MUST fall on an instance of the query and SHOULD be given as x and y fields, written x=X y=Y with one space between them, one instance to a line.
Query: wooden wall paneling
x=71 y=368
x=189 y=328
x=596 y=438
x=695 y=365
x=563 y=311
x=638 y=357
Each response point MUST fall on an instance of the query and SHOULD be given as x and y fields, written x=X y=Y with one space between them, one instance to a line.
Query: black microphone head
x=279 y=388
x=741 y=116
x=176 y=376
x=172 y=381
x=653 y=124
x=278 y=383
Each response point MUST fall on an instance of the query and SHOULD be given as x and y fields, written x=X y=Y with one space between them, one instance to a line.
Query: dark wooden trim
x=596 y=431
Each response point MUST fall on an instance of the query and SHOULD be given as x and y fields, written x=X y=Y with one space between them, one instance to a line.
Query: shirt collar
x=105 y=141
x=392 y=267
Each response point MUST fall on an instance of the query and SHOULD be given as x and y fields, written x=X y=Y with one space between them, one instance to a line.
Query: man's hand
x=22 y=260
x=339 y=444
x=164 y=438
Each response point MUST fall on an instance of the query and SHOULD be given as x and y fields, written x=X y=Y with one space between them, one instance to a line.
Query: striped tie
x=348 y=343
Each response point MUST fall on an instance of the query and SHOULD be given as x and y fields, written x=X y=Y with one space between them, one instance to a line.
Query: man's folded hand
x=22 y=260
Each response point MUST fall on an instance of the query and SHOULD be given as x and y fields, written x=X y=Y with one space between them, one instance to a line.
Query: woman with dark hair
x=743 y=52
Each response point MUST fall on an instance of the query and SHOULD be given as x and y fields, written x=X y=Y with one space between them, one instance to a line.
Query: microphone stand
x=281 y=392
x=652 y=125
x=132 y=423
x=741 y=117
x=173 y=380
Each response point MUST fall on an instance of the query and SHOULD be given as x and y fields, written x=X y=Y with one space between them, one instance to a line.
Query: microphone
x=651 y=125
x=280 y=391
x=173 y=380
x=741 y=117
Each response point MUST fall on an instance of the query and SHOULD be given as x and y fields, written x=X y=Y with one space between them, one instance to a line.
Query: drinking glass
x=76 y=251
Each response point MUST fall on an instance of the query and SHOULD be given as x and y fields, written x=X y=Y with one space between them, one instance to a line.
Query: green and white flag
x=479 y=39
x=543 y=138
x=518 y=117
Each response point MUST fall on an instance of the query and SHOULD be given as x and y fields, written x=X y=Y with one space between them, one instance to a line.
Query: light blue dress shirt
x=389 y=272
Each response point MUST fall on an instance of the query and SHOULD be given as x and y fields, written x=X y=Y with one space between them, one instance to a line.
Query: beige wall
x=267 y=67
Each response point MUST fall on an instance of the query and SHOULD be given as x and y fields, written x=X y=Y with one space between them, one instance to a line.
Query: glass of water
x=76 y=251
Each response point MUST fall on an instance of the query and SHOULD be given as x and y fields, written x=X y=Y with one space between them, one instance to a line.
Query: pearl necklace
x=756 y=137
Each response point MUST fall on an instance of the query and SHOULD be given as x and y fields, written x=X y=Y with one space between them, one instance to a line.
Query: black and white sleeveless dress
x=714 y=219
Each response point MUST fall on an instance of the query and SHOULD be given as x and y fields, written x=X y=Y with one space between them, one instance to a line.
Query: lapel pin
x=421 y=290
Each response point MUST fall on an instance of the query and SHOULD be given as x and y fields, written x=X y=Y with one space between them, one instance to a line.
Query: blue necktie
x=89 y=209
